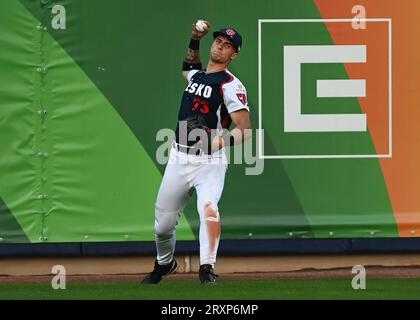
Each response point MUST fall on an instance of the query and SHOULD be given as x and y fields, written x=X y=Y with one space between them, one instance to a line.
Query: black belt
x=191 y=150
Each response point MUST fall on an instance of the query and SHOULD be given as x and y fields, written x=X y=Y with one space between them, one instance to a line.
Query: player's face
x=222 y=50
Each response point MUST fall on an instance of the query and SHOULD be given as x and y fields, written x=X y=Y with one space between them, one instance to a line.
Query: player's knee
x=164 y=230
x=211 y=212
x=164 y=223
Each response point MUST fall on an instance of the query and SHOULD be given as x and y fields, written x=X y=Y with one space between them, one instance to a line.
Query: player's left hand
x=217 y=144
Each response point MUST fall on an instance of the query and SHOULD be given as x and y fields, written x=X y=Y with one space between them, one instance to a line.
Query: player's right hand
x=197 y=35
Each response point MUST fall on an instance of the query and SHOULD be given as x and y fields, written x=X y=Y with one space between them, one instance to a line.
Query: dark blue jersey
x=213 y=96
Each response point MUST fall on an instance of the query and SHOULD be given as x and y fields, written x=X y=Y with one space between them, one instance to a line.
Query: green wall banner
x=88 y=88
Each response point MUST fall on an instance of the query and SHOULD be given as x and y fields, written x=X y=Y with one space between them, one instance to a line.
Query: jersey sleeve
x=191 y=74
x=234 y=96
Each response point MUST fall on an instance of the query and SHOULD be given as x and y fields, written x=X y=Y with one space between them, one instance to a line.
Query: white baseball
x=200 y=25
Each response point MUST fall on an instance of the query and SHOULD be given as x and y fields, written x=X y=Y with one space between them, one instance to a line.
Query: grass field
x=285 y=289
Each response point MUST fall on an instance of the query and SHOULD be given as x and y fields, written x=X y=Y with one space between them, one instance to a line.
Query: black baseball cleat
x=159 y=271
x=207 y=275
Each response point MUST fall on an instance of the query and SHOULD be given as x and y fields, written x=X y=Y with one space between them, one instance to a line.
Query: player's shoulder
x=194 y=73
x=233 y=82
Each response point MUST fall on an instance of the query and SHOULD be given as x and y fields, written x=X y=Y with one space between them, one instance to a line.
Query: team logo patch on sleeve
x=242 y=97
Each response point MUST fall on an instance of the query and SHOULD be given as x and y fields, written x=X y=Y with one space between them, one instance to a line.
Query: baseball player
x=212 y=100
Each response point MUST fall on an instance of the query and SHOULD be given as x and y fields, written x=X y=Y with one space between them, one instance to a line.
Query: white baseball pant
x=183 y=174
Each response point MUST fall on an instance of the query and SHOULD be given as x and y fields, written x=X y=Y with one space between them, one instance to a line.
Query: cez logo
x=294 y=120
x=325 y=87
